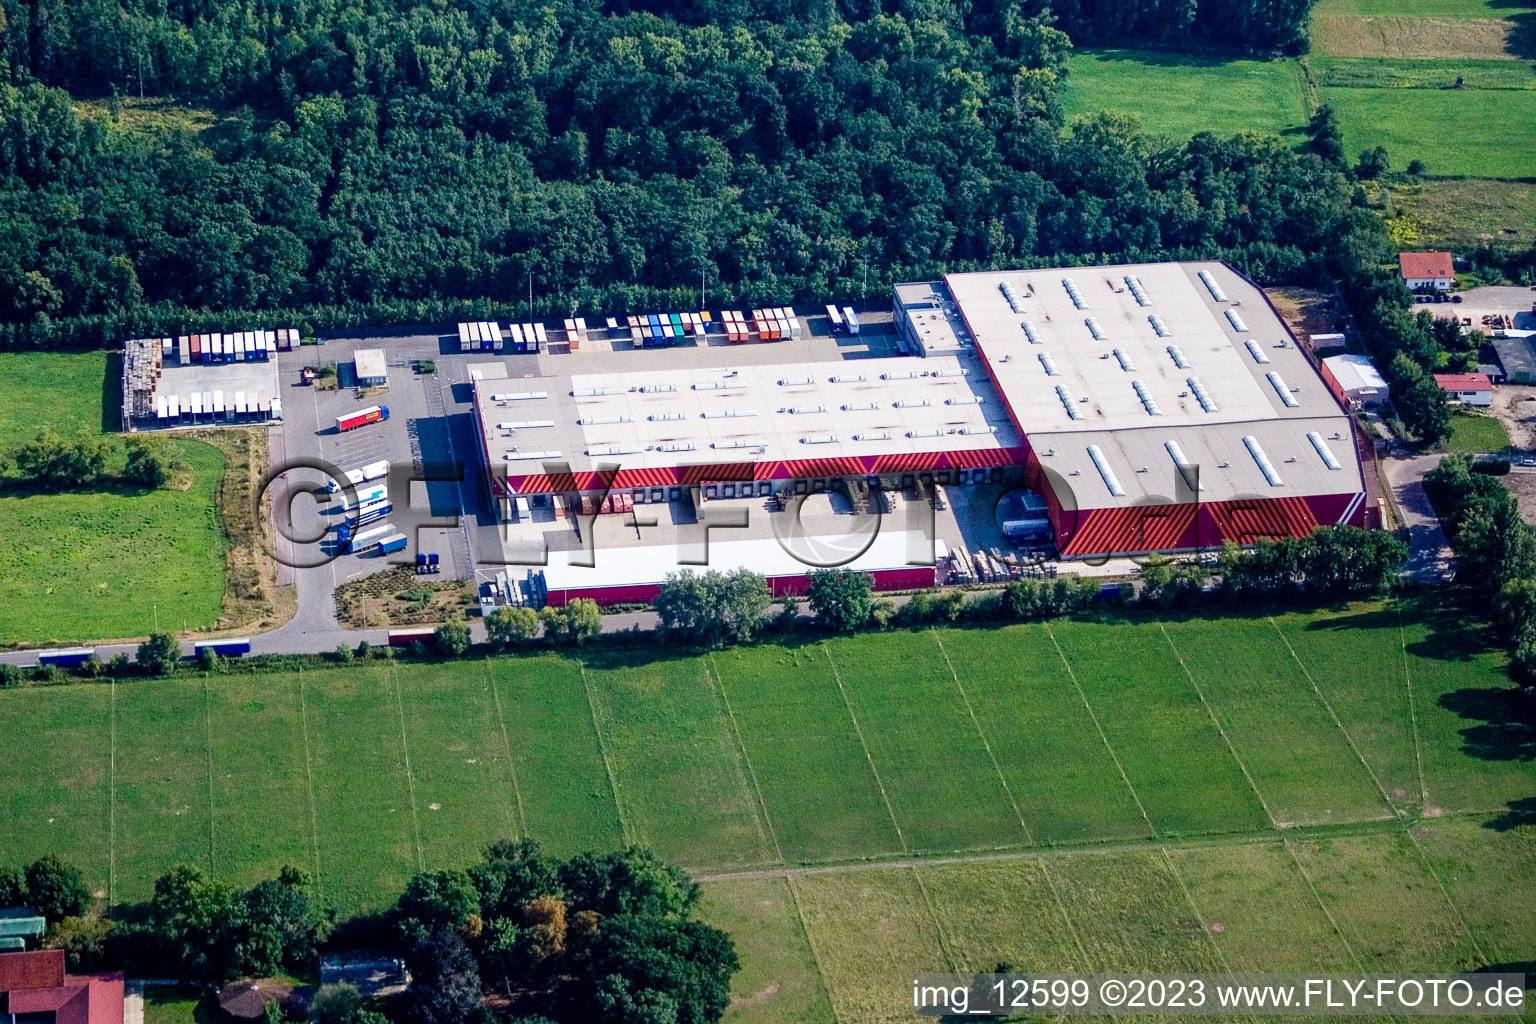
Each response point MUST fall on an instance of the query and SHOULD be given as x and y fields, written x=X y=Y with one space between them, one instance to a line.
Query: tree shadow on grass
x=1508 y=729
x=1520 y=814
x=112 y=394
x=1458 y=629
x=1522 y=38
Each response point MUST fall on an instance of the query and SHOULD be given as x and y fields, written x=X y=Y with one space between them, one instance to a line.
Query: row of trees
x=50 y=462
x=1495 y=551
x=608 y=936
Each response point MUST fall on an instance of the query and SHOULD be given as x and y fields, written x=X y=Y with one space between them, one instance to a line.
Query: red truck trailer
x=363 y=417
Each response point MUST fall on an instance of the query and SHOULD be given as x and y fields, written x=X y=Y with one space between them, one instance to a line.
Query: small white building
x=1466 y=388
x=1427 y=271
x=371 y=368
x=1355 y=379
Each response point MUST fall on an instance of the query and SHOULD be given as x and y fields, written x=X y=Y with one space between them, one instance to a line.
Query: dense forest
x=396 y=160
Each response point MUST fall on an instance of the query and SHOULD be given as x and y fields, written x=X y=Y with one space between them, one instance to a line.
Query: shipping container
x=541 y=335
x=162 y=409
x=365 y=538
x=851 y=319
x=371 y=513
x=498 y=340
x=186 y=350
x=519 y=344
x=229 y=647
x=366 y=494
x=463 y=337
x=66 y=657
x=412 y=635
x=389 y=545
x=353 y=420
x=197 y=404
x=276 y=409
x=218 y=405
x=239 y=409
x=834 y=319
x=197 y=347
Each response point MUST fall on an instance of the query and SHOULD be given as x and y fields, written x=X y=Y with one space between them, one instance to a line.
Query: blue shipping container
x=68 y=657
x=231 y=647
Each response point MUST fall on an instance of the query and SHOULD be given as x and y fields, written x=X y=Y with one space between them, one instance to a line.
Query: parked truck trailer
x=363 y=417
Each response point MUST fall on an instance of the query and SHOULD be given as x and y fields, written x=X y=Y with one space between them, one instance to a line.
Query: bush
x=575 y=624
x=509 y=627
x=842 y=599
x=452 y=638
x=343 y=653
x=160 y=654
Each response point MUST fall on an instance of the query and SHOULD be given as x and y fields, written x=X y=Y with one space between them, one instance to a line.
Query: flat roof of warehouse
x=639 y=564
x=751 y=413
x=1082 y=361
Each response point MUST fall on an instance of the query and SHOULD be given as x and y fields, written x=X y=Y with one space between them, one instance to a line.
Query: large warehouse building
x=1156 y=407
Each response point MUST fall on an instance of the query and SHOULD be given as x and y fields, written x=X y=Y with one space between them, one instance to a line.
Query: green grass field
x=1480 y=132
x=1422 y=8
x=1476 y=434
x=1113 y=790
x=1178 y=95
x=103 y=564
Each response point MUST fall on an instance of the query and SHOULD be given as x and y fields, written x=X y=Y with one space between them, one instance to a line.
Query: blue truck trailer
x=66 y=657
x=229 y=647
x=391 y=544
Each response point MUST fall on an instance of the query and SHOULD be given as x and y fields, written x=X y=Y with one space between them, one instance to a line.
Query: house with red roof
x=1423 y=271
x=1466 y=388
x=35 y=987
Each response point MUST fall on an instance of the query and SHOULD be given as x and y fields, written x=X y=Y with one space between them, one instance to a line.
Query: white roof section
x=632 y=565
x=370 y=363
x=712 y=415
x=1138 y=361
x=1355 y=372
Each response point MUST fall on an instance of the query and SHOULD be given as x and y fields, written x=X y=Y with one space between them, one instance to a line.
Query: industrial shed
x=372 y=370
x=1355 y=380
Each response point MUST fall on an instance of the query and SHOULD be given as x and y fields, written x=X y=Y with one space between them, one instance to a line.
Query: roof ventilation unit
x=739 y=444
x=1265 y=466
x=965 y=400
x=1066 y=400
x=1187 y=469
x=526 y=424
x=908 y=375
x=880 y=436
x=594 y=421
x=988 y=429
x=1030 y=332
x=719 y=385
x=957 y=372
x=1258 y=353
x=1276 y=382
x=820 y=439
x=1134 y=284
x=794 y=382
x=597 y=392
x=1146 y=398
x=657 y=417
x=806 y=410
x=1177 y=355
x=1212 y=287
x=726 y=414
x=677 y=446
x=925 y=433
x=651 y=389
x=616 y=449
x=1158 y=325
x=1049 y=364
x=527 y=456
x=1201 y=395
x=1124 y=359
x=520 y=396
x=1110 y=480
x=1073 y=294
x=1094 y=329
x=1015 y=301
x=860 y=406
x=1236 y=322
x=910 y=403
x=1323 y=450
x=853 y=378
